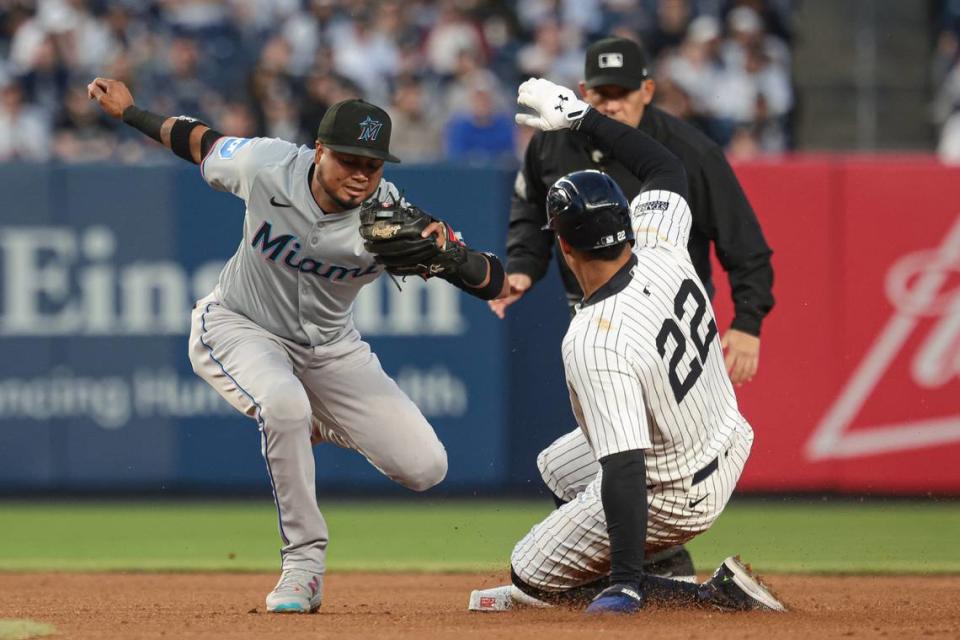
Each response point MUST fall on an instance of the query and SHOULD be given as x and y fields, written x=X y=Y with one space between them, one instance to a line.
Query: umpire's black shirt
x=720 y=211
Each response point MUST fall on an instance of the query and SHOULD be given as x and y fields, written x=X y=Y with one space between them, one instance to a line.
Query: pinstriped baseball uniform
x=276 y=339
x=645 y=371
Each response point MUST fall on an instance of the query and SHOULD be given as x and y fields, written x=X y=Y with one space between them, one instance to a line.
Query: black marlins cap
x=616 y=61
x=357 y=127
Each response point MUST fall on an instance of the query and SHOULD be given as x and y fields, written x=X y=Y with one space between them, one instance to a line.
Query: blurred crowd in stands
x=946 y=79
x=446 y=69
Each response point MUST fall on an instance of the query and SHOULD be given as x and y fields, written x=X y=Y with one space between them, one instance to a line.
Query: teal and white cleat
x=298 y=591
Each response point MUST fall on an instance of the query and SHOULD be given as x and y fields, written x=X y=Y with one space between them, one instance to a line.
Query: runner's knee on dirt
x=576 y=596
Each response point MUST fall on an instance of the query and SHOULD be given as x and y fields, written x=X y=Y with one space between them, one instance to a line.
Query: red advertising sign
x=859 y=382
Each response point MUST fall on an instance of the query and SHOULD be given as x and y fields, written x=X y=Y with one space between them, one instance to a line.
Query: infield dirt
x=111 y=606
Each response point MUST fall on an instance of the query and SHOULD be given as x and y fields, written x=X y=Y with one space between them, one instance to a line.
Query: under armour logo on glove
x=556 y=107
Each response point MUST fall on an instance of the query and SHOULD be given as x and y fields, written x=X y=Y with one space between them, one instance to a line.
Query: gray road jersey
x=297 y=270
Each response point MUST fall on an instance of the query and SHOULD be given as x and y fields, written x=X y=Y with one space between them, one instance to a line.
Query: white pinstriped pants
x=570 y=547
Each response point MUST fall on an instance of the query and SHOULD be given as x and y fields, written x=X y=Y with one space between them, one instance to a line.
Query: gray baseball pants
x=294 y=392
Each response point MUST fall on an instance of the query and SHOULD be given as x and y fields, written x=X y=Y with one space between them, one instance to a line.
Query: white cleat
x=503 y=598
x=298 y=591
x=735 y=587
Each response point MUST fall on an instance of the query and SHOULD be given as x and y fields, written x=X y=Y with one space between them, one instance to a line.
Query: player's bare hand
x=437 y=229
x=113 y=96
x=742 y=355
x=519 y=283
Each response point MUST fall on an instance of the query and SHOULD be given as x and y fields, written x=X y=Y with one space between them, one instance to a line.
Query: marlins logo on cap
x=370 y=129
x=357 y=127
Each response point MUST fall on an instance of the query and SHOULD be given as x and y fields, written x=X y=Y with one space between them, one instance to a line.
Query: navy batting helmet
x=589 y=211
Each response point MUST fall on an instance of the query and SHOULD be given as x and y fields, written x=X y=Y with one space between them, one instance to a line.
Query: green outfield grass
x=458 y=535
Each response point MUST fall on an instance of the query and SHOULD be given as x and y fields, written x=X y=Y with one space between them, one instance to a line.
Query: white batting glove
x=557 y=107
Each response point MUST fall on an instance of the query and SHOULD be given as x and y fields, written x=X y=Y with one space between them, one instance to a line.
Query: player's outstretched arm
x=559 y=108
x=408 y=241
x=481 y=274
x=528 y=248
x=188 y=138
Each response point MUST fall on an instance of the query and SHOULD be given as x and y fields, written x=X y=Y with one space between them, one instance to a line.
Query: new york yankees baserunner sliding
x=661 y=441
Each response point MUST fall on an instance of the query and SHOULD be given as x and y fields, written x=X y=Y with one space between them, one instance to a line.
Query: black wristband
x=497 y=277
x=477 y=268
x=474 y=270
x=144 y=121
x=180 y=132
x=207 y=140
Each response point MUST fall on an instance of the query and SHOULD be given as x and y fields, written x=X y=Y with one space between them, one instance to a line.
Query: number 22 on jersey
x=672 y=328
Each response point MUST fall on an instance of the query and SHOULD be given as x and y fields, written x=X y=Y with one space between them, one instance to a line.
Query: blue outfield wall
x=99 y=268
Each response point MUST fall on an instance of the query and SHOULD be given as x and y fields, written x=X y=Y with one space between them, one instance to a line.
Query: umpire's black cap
x=615 y=61
x=357 y=127
x=589 y=211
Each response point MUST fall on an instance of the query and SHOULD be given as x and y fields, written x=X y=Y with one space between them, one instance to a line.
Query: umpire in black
x=618 y=84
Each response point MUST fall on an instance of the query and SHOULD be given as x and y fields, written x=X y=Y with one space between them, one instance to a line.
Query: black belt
x=704 y=473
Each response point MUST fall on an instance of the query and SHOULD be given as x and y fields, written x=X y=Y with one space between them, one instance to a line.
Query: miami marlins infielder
x=647 y=382
x=276 y=337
